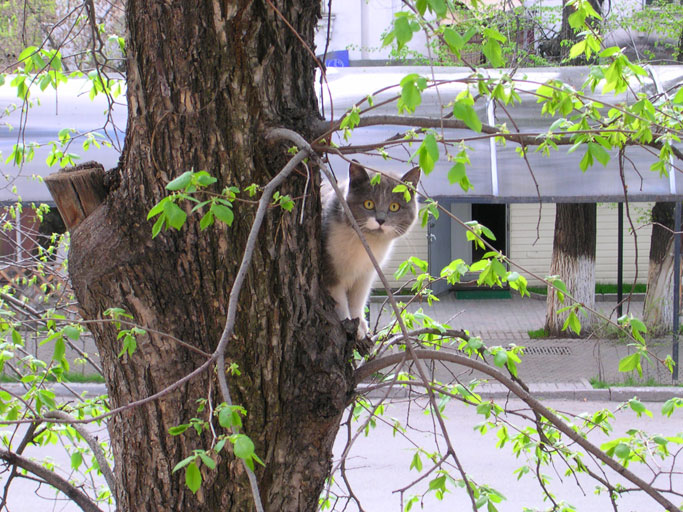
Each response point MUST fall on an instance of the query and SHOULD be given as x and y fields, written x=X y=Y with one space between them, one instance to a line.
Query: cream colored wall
x=534 y=254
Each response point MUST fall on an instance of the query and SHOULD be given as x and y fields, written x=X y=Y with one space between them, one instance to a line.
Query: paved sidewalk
x=555 y=368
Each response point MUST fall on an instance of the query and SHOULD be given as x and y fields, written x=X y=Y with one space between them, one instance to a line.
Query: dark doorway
x=494 y=217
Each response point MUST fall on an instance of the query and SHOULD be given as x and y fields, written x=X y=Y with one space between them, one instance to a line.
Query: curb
x=75 y=390
x=578 y=390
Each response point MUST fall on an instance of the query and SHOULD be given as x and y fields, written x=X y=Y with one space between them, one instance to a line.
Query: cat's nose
x=380 y=221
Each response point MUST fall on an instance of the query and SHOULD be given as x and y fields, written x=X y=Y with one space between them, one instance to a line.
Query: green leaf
x=630 y=363
x=599 y=153
x=429 y=153
x=223 y=213
x=463 y=109
x=438 y=7
x=670 y=405
x=175 y=216
x=177 y=430
x=208 y=461
x=577 y=49
x=193 y=478
x=608 y=52
x=72 y=332
x=244 y=447
x=453 y=39
x=622 y=450
x=158 y=208
x=402 y=31
x=412 y=86
x=416 y=462
x=493 y=52
x=638 y=407
x=678 y=98
x=229 y=417
x=501 y=358
x=204 y=178
x=206 y=220
x=438 y=483
x=458 y=174
x=181 y=181
x=573 y=322
x=60 y=349
x=76 y=460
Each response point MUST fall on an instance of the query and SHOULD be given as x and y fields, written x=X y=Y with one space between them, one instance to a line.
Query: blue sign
x=338 y=59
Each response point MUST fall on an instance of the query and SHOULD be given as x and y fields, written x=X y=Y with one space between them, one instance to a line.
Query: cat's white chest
x=349 y=256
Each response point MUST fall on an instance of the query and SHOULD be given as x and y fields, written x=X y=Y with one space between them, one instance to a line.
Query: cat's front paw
x=362 y=328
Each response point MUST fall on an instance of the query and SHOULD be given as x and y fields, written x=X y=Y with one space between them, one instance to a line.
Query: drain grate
x=548 y=351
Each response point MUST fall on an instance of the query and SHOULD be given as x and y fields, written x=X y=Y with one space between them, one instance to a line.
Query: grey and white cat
x=382 y=215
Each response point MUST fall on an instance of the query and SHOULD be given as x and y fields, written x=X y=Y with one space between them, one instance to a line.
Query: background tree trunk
x=658 y=307
x=573 y=260
x=567 y=33
x=205 y=82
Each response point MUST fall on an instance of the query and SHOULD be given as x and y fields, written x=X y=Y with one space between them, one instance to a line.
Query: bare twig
x=94 y=447
x=50 y=477
x=373 y=366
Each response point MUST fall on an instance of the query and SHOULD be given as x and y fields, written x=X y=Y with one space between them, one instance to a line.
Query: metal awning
x=497 y=172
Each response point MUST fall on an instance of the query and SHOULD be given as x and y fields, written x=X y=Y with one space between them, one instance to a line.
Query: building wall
x=533 y=250
x=358 y=26
x=534 y=253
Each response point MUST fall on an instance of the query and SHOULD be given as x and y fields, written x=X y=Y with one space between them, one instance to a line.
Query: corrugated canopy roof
x=501 y=175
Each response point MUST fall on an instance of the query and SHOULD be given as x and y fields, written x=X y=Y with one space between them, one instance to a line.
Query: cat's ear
x=412 y=177
x=357 y=173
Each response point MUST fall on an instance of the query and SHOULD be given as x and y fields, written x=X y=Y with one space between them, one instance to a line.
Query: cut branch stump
x=77 y=191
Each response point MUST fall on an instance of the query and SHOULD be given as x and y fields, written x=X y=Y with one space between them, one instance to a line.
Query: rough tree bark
x=206 y=80
x=573 y=260
x=567 y=33
x=658 y=307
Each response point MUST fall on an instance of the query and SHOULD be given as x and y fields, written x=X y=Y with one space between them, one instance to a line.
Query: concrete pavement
x=553 y=368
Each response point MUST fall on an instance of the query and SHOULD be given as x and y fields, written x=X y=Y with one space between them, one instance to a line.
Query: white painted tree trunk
x=658 y=308
x=573 y=261
x=579 y=276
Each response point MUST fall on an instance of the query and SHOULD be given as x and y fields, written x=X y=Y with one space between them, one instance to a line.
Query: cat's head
x=377 y=209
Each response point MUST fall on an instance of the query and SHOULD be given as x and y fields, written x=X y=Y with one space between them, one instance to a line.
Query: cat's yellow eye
x=369 y=204
x=394 y=207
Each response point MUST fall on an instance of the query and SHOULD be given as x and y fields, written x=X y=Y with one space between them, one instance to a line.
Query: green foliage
x=476 y=37
x=229 y=418
x=20 y=26
x=36 y=309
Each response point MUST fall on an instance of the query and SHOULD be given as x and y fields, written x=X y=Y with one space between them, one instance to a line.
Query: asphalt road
x=378 y=465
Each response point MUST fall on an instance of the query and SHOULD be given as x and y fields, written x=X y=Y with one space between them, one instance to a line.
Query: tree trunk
x=658 y=307
x=206 y=80
x=573 y=261
x=567 y=33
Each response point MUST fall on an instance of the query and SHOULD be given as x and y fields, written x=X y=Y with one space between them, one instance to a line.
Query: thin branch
x=373 y=366
x=77 y=496
x=94 y=447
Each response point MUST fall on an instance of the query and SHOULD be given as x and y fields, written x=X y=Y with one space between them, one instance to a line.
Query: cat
x=382 y=215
